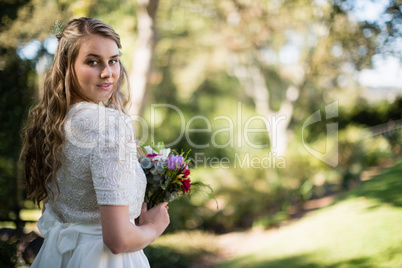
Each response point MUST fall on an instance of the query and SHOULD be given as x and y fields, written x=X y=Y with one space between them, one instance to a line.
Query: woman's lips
x=105 y=86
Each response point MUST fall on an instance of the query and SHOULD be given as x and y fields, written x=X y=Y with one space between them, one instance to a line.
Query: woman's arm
x=120 y=235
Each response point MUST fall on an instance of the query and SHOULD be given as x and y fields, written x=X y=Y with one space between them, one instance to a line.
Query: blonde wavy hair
x=43 y=134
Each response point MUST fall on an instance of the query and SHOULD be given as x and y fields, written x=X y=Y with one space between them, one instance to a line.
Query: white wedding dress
x=99 y=167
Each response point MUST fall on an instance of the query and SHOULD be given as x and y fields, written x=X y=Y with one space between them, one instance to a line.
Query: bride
x=80 y=158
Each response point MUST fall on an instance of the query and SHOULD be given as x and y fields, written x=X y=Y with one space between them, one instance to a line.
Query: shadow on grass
x=299 y=261
x=161 y=257
x=167 y=257
x=385 y=187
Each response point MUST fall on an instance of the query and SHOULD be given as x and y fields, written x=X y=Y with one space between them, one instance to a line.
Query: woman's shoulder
x=92 y=120
x=92 y=112
x=89 y=109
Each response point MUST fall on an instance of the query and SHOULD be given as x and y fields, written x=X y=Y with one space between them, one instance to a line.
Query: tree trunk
x=143 y=56
x=18 y=204
x=277 y=123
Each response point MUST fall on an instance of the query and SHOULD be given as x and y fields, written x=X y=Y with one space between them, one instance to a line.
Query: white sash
x=60 y=238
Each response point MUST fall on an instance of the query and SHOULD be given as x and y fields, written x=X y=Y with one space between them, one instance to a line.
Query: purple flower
x=176 y=161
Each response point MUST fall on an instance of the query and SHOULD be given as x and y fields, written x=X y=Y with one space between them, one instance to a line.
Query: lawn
x=362 y=228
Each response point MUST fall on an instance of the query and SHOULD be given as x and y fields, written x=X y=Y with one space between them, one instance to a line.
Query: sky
x=387 y=72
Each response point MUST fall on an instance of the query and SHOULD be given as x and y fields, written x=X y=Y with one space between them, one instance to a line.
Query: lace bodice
x=99 y=165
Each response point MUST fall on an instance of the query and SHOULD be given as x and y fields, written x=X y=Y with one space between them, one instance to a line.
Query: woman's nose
x=106 y=72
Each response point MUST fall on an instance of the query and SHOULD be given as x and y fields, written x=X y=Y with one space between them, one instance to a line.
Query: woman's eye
x=113 y=62
x=92 y=62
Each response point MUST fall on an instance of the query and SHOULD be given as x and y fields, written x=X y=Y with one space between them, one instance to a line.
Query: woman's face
x=97 y=69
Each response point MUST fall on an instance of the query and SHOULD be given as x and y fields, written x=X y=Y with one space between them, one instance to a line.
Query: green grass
x=182 y=249
x=363 y=228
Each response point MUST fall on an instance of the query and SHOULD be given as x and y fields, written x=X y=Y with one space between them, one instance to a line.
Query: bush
x=8 y=252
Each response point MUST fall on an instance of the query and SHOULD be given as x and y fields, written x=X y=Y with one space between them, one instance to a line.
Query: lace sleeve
x=112 y=161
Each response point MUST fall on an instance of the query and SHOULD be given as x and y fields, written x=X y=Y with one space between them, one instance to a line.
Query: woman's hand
x=157 y=216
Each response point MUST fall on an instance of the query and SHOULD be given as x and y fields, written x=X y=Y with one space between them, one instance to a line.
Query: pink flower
x=186 y=173
x=186 y=184
x=152 y=155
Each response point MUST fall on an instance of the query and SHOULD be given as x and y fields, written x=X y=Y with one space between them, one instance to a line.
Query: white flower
x=165 y=152
x=149 y=149
x=162 y=155
x=160 y=158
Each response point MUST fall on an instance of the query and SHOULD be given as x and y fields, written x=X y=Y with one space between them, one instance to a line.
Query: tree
x=282 y=51
x=385 y=27
x=16 y=90
x=143 y=55
x=287 y=55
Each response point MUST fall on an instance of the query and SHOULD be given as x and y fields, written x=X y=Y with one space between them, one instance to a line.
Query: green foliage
x=162 y=257
x=358 y=149
x=271 y=221
x=8 y=252
x=266 y=196
x=198 y=80
x=369 y=114
x=16 y=94
x=34 y=21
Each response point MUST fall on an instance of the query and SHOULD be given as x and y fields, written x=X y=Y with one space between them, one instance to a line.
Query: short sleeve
x=112 y=160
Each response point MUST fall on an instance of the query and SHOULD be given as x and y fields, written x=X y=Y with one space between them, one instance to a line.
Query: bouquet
x=167 y=175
